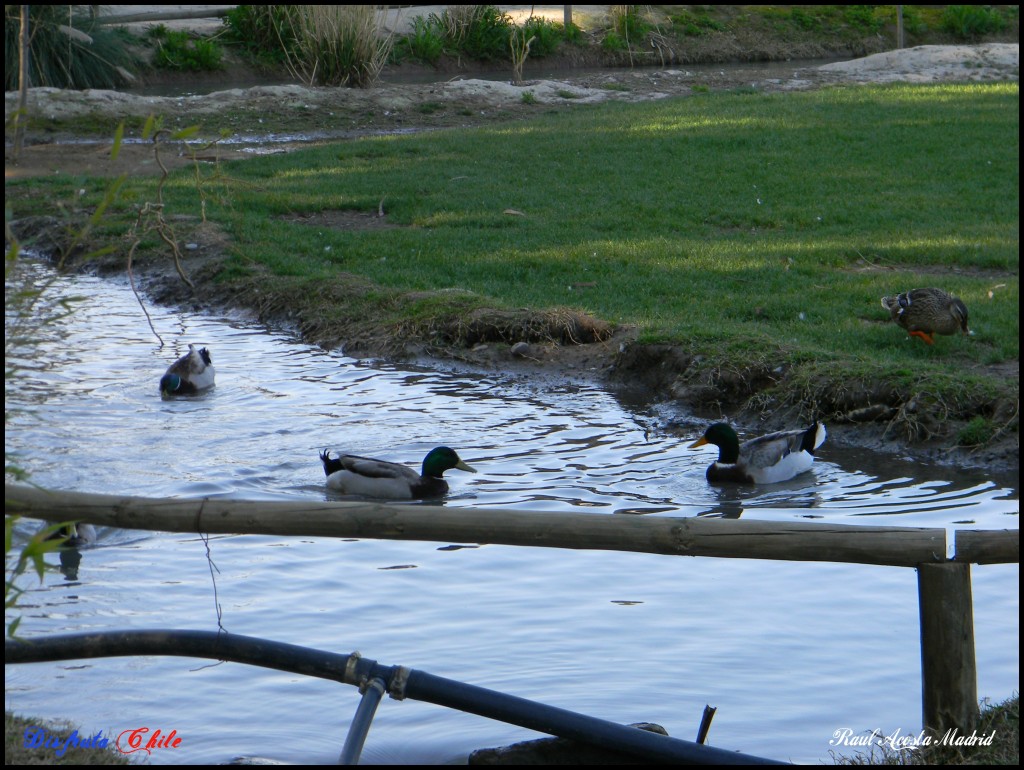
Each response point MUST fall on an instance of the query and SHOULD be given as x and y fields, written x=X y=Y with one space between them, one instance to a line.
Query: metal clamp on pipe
x=399 y=678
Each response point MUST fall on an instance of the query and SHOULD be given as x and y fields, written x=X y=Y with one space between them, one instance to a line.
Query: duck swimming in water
x=188 y=375
x=354 y=475
x=768 y=459
x=925 y=312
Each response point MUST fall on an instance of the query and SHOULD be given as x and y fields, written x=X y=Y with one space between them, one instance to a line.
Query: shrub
x=972 y=21
x=263 y=31
x=178 y=50
x=426 y=41
x=66 y=50
x=487 y=34
x=547 y=35
x=629 y=23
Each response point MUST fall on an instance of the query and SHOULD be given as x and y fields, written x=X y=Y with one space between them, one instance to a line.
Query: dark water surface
x=788 y=652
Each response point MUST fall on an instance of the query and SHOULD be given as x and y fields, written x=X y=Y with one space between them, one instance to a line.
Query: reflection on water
x=629 y=637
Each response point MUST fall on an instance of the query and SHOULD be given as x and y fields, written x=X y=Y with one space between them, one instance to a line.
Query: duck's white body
x=350 y=483
x=768 y=459
x=368 y=477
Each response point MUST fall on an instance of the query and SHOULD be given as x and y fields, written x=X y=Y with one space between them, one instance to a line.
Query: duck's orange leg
x=923 y=335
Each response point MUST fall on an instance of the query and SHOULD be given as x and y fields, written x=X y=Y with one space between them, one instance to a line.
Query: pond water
x=788 y=652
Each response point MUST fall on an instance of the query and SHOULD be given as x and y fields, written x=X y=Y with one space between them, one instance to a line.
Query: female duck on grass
x=766 y=460
x=188 y=375
x=354 y=475
x=924 y=312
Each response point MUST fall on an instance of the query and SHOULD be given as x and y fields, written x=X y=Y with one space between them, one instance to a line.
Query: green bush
x=178 y=50
x=613 y=41
x=263 y=31
x=968 y=22
x=547 y=35
x=629 y=23
x=426 y=41
x=486 y=38
x=87 y=56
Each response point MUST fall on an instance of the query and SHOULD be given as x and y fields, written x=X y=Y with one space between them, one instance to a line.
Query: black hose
x=355 y=670
x=360 y=726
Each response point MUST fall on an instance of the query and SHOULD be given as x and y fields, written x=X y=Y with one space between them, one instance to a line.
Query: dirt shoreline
x=650 y=373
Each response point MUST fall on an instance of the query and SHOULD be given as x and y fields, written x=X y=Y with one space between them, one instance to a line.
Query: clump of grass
x=694 y=25
x=1002 y=719
x=15 y=752
x=339 y=45
x=977 y=432
x=179 y=50
x=528 y=97
x=969 y=22
x=67 y=49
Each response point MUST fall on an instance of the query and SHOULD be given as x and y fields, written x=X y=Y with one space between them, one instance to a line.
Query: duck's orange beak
x=699 y=442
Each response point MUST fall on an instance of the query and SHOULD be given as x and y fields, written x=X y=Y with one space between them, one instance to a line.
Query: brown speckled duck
x=924 y=312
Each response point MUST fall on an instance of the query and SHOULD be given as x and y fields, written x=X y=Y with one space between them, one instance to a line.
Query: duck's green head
x=443 y=459
x=724 y=437
x=169 y=383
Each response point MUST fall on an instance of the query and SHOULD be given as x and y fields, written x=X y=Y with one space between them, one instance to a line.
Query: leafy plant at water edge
x=66 y=50
x=968 y=22
x=486 y=36
x=178 y=50
x=547 y=35
x=426 y=41
x=977 y=432
x=264 y=31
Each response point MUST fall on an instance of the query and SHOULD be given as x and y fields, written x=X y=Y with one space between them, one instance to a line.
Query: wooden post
x=567 y=16
x=899 y=27
x=949 y=674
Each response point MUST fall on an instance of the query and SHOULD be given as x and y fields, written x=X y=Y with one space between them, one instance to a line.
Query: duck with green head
x=767 y=459
x=190 y=374
x=367 y=477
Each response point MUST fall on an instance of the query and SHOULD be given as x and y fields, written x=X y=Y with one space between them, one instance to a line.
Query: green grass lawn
x=748 y=228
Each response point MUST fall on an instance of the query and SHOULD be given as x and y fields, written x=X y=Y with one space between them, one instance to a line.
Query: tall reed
x=339 y=45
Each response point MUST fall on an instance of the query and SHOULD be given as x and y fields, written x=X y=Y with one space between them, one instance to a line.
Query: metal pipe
x=372 y=693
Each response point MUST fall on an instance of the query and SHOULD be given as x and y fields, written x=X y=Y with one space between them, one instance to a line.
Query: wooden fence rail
x=949 y=674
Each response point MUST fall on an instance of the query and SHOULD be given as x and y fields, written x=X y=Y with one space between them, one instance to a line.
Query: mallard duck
x=765 y=460
x=924 y=312
x=354 y=475
x=188 y=375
